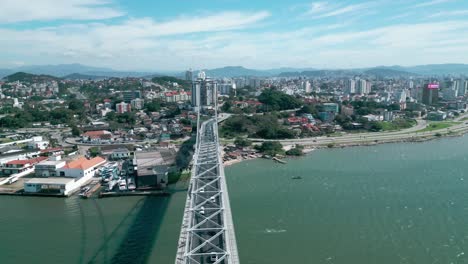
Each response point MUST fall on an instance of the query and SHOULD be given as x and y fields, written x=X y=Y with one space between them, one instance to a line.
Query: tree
x=226 y=106
x=275 y=100
x=153 y=106
x=271 y=148
x=242 y=142
x=75 y=105
x=296 y=151
x=76 y=132
x=375 y=126
x=94 y=151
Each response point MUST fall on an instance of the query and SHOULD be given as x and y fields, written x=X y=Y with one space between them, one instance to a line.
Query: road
x=412 y=133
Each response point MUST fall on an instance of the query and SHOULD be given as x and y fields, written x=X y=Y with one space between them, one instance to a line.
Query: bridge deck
x=207 y=233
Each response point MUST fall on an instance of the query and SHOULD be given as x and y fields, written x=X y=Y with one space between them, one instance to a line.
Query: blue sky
x=157 y=35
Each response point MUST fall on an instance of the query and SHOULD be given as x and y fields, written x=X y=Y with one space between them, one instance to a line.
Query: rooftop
x=84 y=163
x=24 y=162
x=50 y=180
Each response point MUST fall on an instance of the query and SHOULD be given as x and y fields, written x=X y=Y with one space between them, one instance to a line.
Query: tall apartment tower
x=430 y=95
x=204 y=92
x=350 y=87
x=189 y=75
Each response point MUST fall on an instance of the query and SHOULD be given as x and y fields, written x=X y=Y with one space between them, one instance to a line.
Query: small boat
x=297 y=178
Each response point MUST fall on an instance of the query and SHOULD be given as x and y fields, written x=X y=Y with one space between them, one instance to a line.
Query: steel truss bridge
x=207 y=233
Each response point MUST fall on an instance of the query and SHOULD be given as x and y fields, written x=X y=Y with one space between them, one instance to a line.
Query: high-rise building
x=138 y=103
x=307 y=87
x=363 y=87
x=128 y=96
x=430 y=94
x=123 y=108
x=460 y=85
x=189 y=75
x=204 y=91
x=350 y=87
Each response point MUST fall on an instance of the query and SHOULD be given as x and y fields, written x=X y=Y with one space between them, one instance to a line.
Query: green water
x=113 y=230
x=397 y=203
x=387 y=204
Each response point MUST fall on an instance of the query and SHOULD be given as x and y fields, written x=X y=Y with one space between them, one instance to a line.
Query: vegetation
x=94 y=151
x=30 y=78
x=260 y=126
x=271 y=148
x=438 y=125
x=125 y=118
x=184 y=156
x=275 y=100
x=398 y=124
x=298 y=150
x=242 y=142
x=165 y=80
x=24 y=118
x=153 y=106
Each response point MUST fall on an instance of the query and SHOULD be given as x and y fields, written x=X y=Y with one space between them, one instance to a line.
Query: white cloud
x=320 y=10
x=449 y=14
x=318 y=7
x=431 y=3
x=220 y=39
x=12 y=11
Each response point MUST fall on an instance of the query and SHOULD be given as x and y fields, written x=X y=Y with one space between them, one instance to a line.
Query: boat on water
x=297 y=178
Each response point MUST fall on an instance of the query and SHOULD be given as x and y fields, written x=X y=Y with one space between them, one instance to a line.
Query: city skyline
x=148 y=36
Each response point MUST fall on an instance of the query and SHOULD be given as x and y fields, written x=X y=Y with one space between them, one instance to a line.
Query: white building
x=48 y=168
x=138 y=103
x=350 y=87
x=81 y=168
x=59 y=186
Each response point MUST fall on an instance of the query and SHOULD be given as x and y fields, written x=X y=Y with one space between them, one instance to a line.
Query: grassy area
x=438 y=125
x=398 y=124
x=464 y=119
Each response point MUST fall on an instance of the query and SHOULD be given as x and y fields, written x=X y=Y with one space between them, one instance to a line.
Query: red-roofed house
x=17 y=166
x=81 y=168
x=101 y=136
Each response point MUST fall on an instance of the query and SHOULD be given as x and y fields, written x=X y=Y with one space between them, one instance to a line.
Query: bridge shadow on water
x=143 y=224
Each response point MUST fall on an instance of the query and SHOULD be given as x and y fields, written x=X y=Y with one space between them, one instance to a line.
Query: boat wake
x=274 y=231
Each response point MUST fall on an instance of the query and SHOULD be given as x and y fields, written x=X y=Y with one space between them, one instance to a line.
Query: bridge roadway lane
x=207 y=234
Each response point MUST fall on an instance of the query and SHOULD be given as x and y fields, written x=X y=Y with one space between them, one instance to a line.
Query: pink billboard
x=433 y=86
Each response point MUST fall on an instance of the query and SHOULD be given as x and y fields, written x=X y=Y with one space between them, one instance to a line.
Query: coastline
x=309 y=148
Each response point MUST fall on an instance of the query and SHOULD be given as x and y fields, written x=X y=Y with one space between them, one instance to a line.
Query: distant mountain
x=388 y=72
x=30 y=78
x=234 y=71
x=321 y=73
x=439 y=69
x=239 y=71
x=63 y=70
x=79 y=76
x=60 y=70
x=118 y=74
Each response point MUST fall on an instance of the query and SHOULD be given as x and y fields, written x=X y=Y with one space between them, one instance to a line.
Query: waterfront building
x=19 y=166
x=81 y=168
x=48 y=168
x=57 y=186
